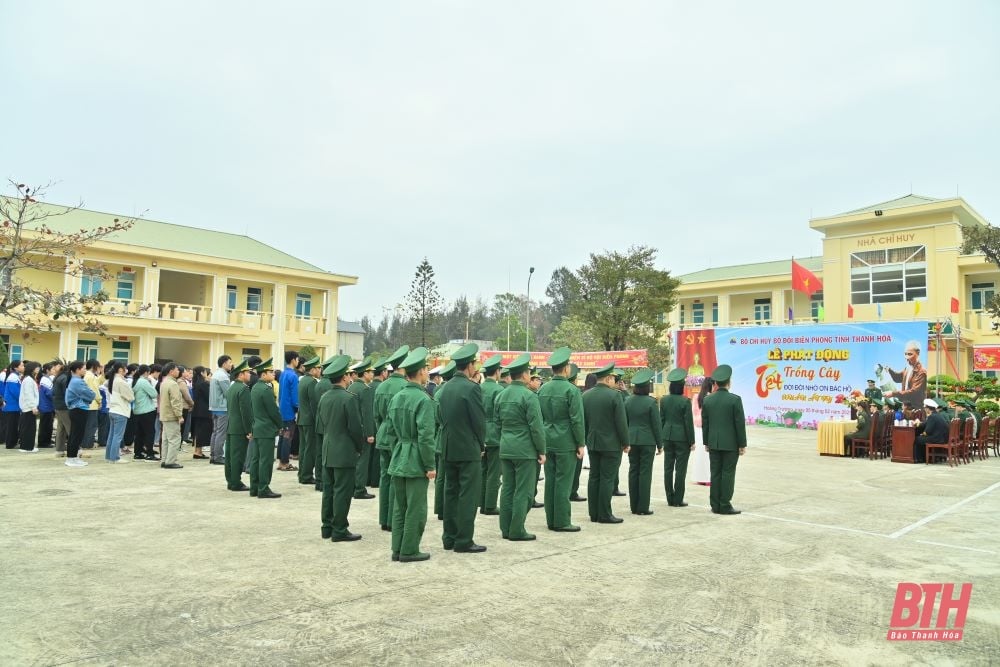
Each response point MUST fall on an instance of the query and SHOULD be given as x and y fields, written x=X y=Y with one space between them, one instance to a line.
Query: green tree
x=307 y=352
x=576 y=333
x=986 y=240
x=424 y=300
x=30 y=239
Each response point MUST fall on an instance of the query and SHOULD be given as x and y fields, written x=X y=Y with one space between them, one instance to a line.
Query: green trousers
x=519 y=479
x=538 y=474
x=409 y=514
x=338 y=489
x=491 y=478
x=723 y=467
x=361 y=471
x=318 y=467
x=374 y=468
x=307 y=453
x=236 y=457
x=601 y=485
x=439 y=486
x=575 y=489
x=261 y=465
x=560 y=468
x=675 y=465
x=463 y=488
x=640 y=476
x=386 y=490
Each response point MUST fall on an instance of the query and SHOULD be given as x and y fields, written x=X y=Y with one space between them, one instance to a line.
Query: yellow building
x=188 y=295
x=898 y=260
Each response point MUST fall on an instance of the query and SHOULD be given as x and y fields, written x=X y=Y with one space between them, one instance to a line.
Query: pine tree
x=424 y=301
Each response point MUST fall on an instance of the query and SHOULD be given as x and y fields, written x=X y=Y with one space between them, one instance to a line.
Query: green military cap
x=491 y=364
x=878 y=401
x=605 y=371
x=330 y=360
x=415 y=360
x=465 y=354
x=235 y=373
x=574 y=370
x=312 y=363
x=559 y=357
x=379 y=366
x=396 y=358
x=264 y=366
x=519 y=363
x=722 y=373
x=449 y=370
x=504 y=372
x=362 y=365
x=337 y=367
x=643 y=376
x=677 y=375
x=619 y=373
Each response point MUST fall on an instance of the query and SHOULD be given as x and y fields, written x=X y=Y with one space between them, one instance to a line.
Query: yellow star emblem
x=702 y=338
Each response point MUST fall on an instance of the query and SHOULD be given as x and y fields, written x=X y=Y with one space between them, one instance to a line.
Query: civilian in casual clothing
x=103 y=418
x=184 y=382
x=155 y=376
x=79 y=397
x=120 y=409
x=201 y=417
x=129 y=438
x=217 y=405
x=171 y=415
x=288 y=405
x=92 y=376
x=28 y=402
x=59 y=385
x=46 y=409
x=11 y=405
x=144 y=409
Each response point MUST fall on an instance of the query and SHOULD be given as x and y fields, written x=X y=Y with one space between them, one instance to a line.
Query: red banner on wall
x=986 y=358
x=585 y=360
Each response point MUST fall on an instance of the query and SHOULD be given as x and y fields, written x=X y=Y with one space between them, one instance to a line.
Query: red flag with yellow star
x=804 y=280
x=696 y=351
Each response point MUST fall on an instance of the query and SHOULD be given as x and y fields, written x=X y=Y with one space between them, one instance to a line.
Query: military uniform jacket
x=409 y=424
x=266 y=417
x=562 y=414
x=873 y=392
x=643 y=416
x=239 y=410
x=343 y=438
x=463 y=420
x=676 y=419
x=383 y=397
x=491 y=389
x=322 y=386
x=359 y=390
x=439 y=391
x=307 y=401
x=522 y=431
x=604 y=416
x=723 y=424
x=864 y=425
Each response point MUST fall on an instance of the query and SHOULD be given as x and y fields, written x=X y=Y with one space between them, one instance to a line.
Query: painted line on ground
x=817 y=525
x=955 y=546
x=941 y=512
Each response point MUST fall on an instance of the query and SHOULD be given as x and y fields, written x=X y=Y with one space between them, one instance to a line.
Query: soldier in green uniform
x=343 y=440
x=240 y=426
x=607 y=440
x=363 y=375
x=491 y=458
x=383 y=442
x=574 y=493
x=267 y=424
x=724 y=432
x=463 y=444
x=505 y=376
x=306 y=420
x=445 y=373
x=677 y=428
x=522 y=447
x=562 y=413
x=864 y=426
x=872 y=392
x=623 y=395
x=322 y=386
x=374 y=462
x=644 y=439
x=410 y=426
x=534 y=384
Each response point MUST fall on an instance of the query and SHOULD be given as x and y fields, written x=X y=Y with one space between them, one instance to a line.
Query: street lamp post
x=527 y=313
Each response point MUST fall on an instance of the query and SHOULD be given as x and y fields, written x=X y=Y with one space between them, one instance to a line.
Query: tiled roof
x=349 y=327
x=758 y=270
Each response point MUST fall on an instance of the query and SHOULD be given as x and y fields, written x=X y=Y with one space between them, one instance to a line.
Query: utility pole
x=527 y=313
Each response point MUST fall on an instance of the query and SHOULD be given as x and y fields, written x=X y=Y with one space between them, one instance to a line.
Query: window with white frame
x=715 y=314
x=889 y=276
x=254 y=298
x=815 y=303
x=697 y=313
x=86 y=350
x=90 y=283
x=15 y=352
x=982 y=294
x=126 y=285
x=121 y=350
x=303 y=305
x=762 y=310
x=231 y=297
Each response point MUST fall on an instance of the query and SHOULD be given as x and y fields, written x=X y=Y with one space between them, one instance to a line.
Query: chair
x=967 y=440
x=950 y=448
x=885 y=445
x=867 y=443
x=981 y=445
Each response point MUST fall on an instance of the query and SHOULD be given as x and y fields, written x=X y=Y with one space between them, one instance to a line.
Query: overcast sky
x=490 y=137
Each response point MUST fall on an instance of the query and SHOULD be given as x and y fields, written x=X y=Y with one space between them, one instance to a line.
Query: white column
x=778 y=309
x=153 y=293
x=279 y=306
x=723 y=301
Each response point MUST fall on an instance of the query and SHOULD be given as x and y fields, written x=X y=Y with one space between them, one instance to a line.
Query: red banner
x=986 y=358
x=622 y=358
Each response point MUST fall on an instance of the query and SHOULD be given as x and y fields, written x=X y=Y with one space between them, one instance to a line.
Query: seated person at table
x=909 y=412
x=864 y=427
x=898 y=412
x=934 y=430
x=966 y=411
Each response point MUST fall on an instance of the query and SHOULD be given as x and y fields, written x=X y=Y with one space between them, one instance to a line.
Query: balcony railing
x=977 y=319
x=258 y=320
x=125 y=308
x=184 y=312
x=305 y=326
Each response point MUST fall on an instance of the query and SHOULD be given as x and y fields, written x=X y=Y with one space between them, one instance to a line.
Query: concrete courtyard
x=134 y=565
